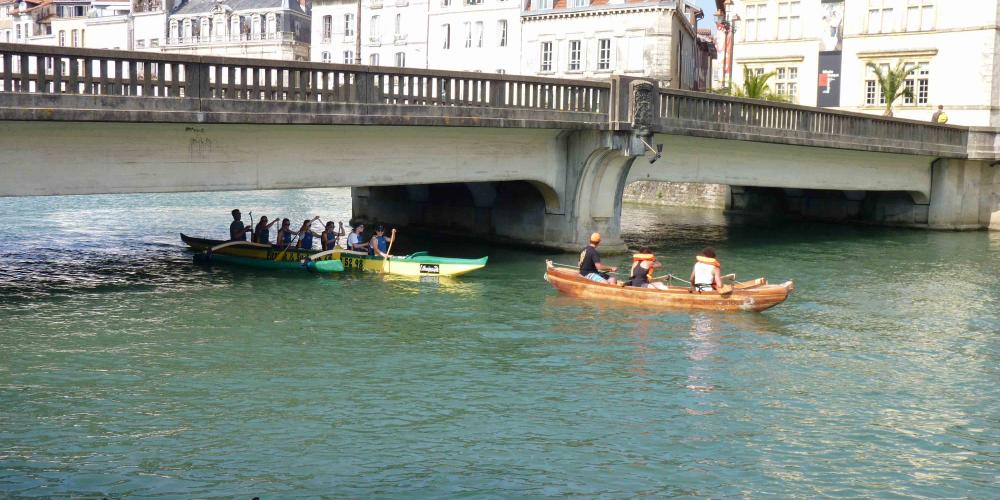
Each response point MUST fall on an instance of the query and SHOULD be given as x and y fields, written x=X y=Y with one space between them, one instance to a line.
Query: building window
x=140 y=44
x=546 y=66
x=479 y=33
x=18 y=30
x=604 y=54
x=786 y=81
x=468 y=34
x=473 y=2
x=445 y=3
x=446 y=34
x=348 y=24
x=544 y=5
x=880 y=16
x=400 y=59
x=348 y=57
x=154 y=42
x=255 y=27
x=574 y=55
x=918 y=83
x=74 y=38
x=873 y=91
x=578 y=3
x=204 y=33
x=755 y=25
x=373 y=59
x=234 y=28
x=502 y=33
x=789 y=20
x=919 y=15
x=373 y=31
x=398 y=25
x=327 y=29
x=62 y=38
x=325 y=57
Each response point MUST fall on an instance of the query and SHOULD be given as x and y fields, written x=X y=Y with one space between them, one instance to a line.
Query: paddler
x=330 y=236
x=707 y=273
x=306 y=234
x=262 y=234
x=591 y=266
x=354 y=241
x=284 y=237
x=379 y=244
x=237 y=231
x=643 y=264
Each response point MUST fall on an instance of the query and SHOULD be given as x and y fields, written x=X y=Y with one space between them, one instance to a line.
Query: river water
x=125 y=370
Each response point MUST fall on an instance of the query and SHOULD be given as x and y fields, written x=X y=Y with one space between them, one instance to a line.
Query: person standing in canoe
x=643 y=264
x=331 y=236
x=237 y=231
x=379 y=244
x=707 y=273
x=306 y=234
x=354 y=241
x=591 y=266
x=284 y=237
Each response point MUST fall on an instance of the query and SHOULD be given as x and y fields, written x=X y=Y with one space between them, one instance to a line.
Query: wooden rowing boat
x=755 y=295
x=261 y=256
x=417 y=264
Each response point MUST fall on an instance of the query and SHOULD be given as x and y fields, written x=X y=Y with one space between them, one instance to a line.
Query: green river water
x=125 y=370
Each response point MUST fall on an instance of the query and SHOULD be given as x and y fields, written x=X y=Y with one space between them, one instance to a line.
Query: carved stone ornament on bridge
x=641 y=104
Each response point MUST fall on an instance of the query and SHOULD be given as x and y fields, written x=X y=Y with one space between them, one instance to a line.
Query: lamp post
x=357 y=35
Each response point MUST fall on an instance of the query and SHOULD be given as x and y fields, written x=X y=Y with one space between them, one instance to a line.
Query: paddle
x=578 y=267
x=385 y=259
x=282 y=254
x=252 y=235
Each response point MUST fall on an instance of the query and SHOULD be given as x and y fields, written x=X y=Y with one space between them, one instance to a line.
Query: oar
x=385 y=259
x=578 y=267
x=282 y=254
x=252 y=235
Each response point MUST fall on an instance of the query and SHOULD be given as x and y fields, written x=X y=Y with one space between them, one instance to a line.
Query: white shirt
x=704 y=274
x=353 y=239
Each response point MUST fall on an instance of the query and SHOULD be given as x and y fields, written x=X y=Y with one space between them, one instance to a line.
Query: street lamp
x=357 y=35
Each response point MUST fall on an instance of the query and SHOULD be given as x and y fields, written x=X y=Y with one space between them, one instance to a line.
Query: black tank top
x=640 y=276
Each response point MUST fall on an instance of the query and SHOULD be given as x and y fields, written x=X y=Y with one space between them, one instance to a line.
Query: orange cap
x=595 y=238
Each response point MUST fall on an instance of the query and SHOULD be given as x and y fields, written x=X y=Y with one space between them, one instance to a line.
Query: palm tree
x=755 y=86
x=893 y=83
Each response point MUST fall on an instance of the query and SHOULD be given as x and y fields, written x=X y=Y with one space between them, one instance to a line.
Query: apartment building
x=392 y=32
x=820 y=51
x=475 y=35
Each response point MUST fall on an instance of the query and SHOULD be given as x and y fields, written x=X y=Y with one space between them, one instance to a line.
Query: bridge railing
x=64 y=70
x=709 y=112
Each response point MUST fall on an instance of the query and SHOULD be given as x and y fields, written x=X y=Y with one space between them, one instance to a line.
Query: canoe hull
x=755 y=295
x=261 y=257
x=417 y=265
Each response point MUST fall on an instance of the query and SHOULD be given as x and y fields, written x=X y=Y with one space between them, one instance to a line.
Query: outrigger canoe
x=253 y=254
x=417 y=264
x=754 y=295
x=258 y=255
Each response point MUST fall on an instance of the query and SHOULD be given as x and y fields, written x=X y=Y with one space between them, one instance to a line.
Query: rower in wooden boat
x=354 y=240
x=237 y=231
x=379 y=244
x=643 y=264
x=330 y=236
x=306 y=234
x=707 y=273
x=262 y=233
x=284 y=237
x=591 y=266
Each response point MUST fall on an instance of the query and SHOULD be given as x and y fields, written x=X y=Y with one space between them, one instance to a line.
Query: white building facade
x=820 y=50
x=393 y=32
x=475 y=35
x=596 y=39
x=264 y=29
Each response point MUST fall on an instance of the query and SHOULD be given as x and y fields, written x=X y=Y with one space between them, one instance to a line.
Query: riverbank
x=677 y=194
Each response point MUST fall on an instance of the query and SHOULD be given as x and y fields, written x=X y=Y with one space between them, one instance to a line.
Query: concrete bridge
x=529 y=160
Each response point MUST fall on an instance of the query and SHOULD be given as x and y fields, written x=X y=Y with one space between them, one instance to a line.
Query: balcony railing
x=281 y=36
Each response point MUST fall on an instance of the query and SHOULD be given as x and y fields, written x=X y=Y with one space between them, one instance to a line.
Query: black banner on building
x=828 y=93
x=831 y=45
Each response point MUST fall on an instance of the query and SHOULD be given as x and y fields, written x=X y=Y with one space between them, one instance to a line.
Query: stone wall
x=678 y=194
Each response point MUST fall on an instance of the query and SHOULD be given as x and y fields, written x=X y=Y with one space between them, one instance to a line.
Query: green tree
x=892 y=81
x=755 y=86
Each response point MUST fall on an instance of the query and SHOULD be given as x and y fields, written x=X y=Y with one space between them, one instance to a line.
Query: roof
x=207 y=6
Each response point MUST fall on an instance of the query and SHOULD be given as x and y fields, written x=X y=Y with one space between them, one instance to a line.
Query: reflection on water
x=125 y=370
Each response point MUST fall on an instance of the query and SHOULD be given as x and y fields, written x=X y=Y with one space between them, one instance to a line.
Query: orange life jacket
x=710 y=261
x=647 y=257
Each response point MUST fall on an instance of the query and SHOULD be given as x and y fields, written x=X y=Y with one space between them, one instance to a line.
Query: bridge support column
x=964 y=195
